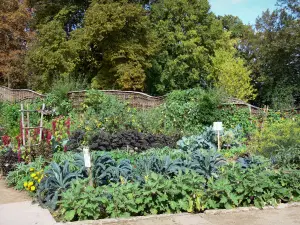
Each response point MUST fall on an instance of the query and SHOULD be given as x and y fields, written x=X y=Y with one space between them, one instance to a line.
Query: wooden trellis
x=28 y=127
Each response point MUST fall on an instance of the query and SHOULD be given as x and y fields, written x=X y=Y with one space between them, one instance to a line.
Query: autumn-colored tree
x=14 y=36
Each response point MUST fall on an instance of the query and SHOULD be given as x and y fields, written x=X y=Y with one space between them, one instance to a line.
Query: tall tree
x=229 y=71
x=275 y=50
x=188 y=32
x=14 y=35
x=110 y=49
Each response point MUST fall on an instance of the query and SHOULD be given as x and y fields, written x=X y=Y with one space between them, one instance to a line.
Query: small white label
x=217 y=126
x=87 y=157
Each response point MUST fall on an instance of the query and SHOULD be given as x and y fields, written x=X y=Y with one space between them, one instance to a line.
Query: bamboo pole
x=23 y=125
x=41 y=122
x=28 y=125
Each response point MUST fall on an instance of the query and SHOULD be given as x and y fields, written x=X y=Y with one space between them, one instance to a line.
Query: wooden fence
x=135 y=99
x=17 y=95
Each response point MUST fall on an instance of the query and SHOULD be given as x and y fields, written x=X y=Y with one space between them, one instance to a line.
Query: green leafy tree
x=110 y=48
x=188 y=32
x=274 y=55
x=51 y=57
x=229 y=73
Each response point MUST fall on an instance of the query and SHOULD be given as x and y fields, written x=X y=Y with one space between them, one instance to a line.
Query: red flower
x=49 y=135
x=6 y=140
x=68 y=124
x=53 y=125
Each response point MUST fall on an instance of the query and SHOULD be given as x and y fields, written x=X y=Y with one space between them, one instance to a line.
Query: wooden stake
x=219 y=143
x=41 y=123
x=23 y=125
x=28 y=125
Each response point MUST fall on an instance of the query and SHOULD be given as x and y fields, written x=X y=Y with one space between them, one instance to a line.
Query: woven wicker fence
x=135 y=99
x=17 y=95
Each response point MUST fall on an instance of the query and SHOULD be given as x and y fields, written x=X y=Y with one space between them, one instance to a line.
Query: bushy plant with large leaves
x=82 y=202
x=106 y=170
x=57 y=179
x=160 y=165
x=156 y=196
x=206 y=140
x=206 y=162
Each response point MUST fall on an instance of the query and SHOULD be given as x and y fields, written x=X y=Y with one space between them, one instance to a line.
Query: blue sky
x=246 y=10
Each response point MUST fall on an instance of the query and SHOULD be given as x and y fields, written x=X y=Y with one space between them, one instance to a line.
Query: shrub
x=10 y=118
x=109 y=110
x=189 y=110
x=233 y=117
x=288 y=156
x=273 y=136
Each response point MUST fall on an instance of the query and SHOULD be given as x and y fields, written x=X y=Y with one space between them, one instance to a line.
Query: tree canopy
x=155 y=46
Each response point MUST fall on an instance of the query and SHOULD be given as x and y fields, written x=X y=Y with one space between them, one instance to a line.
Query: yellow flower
x=146 y=178
x=32 y=188
x=25 y=184
x=33 y=175
x=37 y=173
x=36 y=178
x=39 y=180
x=31 y=169
x=30 y=184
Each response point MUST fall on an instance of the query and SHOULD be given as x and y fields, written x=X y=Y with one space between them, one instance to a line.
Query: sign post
x=218 y=127
x=87 y=163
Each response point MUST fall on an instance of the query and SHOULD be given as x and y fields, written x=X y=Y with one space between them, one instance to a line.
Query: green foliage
x=188 y=111
x=273 y=136
x=82 y=202
x=106 y=170
x=206 y=163
x=158 y=195
x=188 y=32
x=10 y=118
x=232 y=137
x=57 y=180
x=255 y=186
x=107 y=108
x=231 y=75
x=51 y=57
x=21 y=173
x=234 y=152
x=232 y=117
x=274 y=45
x=160 y=165
x=204 y=141
x=289 y=156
